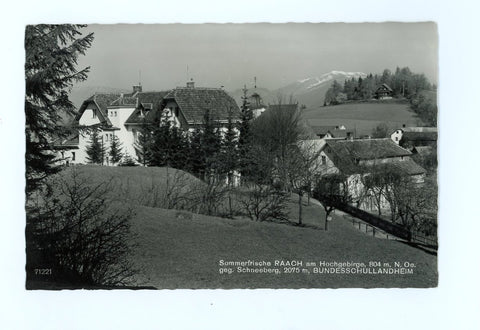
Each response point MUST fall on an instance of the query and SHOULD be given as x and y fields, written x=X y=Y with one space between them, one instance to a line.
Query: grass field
x=179 y=249
x=363 y=116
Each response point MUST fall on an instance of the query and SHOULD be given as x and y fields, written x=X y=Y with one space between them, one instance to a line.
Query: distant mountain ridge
x=309 y=91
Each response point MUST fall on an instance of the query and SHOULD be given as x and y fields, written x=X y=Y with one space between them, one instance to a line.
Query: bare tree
x=330 y=190
x=78 y=234
x=264 y=203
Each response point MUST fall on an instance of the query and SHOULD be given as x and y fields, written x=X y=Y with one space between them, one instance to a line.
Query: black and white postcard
x=233 y=156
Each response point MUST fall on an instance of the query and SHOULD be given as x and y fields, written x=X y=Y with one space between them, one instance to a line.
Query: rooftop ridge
x=193 y=88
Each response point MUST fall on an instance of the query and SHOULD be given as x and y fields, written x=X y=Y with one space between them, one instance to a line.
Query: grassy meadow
x=180 y=249
x=363 y=116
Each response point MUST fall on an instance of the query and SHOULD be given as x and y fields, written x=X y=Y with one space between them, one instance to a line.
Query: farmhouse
x=384 y=92
x=124 y=115
x=359 y=158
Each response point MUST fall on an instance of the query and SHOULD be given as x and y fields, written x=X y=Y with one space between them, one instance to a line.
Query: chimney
x=190 y=84
x=137 y=88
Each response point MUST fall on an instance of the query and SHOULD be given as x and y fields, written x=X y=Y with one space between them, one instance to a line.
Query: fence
x=373 y=220
x=386 y=226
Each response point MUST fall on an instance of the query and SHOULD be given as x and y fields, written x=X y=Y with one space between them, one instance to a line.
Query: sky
x=231 y=55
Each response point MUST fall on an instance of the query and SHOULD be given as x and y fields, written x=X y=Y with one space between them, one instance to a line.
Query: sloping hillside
x=179 y=249
x=183 y=250
x=363 y=116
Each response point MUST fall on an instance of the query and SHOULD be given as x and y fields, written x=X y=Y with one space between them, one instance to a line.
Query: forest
x=405 y=85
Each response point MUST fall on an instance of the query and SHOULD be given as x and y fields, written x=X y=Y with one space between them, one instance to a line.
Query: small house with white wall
x=357 y=158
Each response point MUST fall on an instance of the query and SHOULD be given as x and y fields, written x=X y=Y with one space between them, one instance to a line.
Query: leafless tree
x=77 y=233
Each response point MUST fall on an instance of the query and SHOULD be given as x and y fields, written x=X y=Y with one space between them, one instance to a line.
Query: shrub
x=79 y=235
x=264 y=203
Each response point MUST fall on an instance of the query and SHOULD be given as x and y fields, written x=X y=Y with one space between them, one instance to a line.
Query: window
x=94 y=113
x=176 y=111
x=73 y=155
x=324 y=160
x=396 y=138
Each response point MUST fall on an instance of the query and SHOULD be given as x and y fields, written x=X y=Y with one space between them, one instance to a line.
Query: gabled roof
x=322 y=130
x=102 y=101
x=346 y=154
x=124 y=100
x=406 y=166
x=368 y=148
x=149 y=107
x=194 y=101
x=385 y=86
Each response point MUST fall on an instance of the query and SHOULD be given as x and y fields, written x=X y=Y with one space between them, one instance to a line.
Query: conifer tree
x=115 y=152
x=96 y=149
x=144 y=143
x=51 y=53
x=245 y=135
x=196 y=154
x=228 y=159
x=169 y=147
x=211 y=143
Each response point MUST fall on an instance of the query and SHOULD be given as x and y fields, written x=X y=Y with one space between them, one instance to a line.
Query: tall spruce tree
x=51 y=53
x=144 y=144
x=245 y=135
x=228 y=160
x=95 y=149
x=169 y=147
x=196 y=154
x=211 y=143
x=115 y=152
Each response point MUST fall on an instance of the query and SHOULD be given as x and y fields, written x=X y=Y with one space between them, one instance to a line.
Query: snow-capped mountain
x=306 y=85
x=311 y=91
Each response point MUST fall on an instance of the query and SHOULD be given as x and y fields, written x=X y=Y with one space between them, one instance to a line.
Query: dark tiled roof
x=124 y=100
x=346 y=154
x=407 y=167
x=102 y=101
x=193 y=103
x=322 y=130
x=151 y=106
x=369 y=148
x=385 y=86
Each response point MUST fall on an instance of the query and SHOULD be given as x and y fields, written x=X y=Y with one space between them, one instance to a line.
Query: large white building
x=123 y=116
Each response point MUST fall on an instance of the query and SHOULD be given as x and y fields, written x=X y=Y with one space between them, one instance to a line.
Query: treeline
x=403 y=82
x=206 y=151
